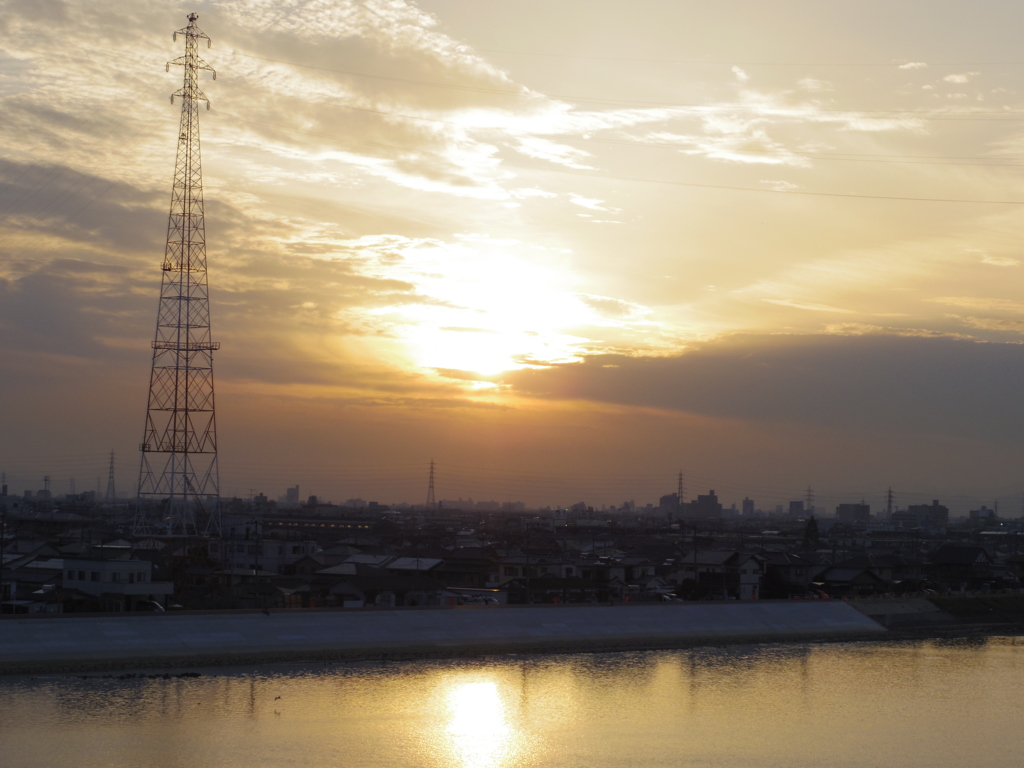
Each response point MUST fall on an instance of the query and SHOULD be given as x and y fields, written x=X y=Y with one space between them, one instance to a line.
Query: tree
x=811 y=534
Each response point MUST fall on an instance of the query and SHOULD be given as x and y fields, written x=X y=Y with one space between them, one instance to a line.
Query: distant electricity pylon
x=431 y=502
x=810 y=500
x=679 y=496
x=178 y=471
x=111 y=491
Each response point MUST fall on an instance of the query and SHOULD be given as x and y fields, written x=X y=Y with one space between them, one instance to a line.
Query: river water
x=929 y=704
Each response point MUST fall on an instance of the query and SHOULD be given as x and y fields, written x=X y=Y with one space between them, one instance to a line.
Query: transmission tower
x=810 y=500
x=679 y=495
x=431 y=502
x=111 y=492
x=178 y=471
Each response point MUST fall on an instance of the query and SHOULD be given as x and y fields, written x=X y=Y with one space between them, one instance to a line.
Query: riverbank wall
x=75 y=643
x=946 y=615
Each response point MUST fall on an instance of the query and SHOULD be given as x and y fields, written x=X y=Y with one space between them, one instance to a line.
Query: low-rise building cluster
x=77 y=555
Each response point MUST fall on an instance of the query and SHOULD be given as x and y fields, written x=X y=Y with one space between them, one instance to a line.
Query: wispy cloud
x=960 y=78
x=981 y=302
x=780 y=185
x=999 y=261
x=866 y=329
x=545 y=149
x=994 y=324
x=809 y=306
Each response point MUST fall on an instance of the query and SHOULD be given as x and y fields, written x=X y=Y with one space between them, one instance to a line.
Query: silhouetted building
x=984 y=515
x=669 y=501
x=706 y=507
x=934 y=516
x=853 y=514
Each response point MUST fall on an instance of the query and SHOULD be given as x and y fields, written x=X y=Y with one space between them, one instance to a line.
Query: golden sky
x=565 y=249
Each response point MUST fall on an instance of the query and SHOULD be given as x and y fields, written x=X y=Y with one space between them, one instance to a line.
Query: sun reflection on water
x=478 y=730
x=772 y=707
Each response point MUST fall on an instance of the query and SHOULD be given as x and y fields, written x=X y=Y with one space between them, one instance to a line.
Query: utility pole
x=178 y=468
x=888 y=505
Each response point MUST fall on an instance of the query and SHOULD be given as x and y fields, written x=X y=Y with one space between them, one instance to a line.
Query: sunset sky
x=565 y=249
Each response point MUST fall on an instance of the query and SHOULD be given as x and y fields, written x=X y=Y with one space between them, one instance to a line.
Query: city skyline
x=557 y=250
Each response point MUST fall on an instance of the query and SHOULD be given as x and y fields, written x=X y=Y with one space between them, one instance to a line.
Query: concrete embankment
x=946 y=616
x=75 y=643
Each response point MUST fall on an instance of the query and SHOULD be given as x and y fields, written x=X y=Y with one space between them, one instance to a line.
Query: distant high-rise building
x=983 y=515
x=748 y=507
x=936 y=517
x=796 y=509
x=291 y=495
x=705 y=507
x=854 y=514
x=669 y=502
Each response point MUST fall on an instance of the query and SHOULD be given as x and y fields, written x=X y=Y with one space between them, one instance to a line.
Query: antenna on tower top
x=178 y=472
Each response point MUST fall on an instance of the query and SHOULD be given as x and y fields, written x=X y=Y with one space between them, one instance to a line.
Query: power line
x=802 y=192
x=705 y=62
x=451 y=86
x=833 y=156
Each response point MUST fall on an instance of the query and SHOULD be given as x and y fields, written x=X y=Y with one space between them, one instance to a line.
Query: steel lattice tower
x=111 y=495
x=431 y=502
x=178 y=473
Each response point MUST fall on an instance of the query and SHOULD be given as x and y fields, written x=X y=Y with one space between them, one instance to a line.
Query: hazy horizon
x=565 y=250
